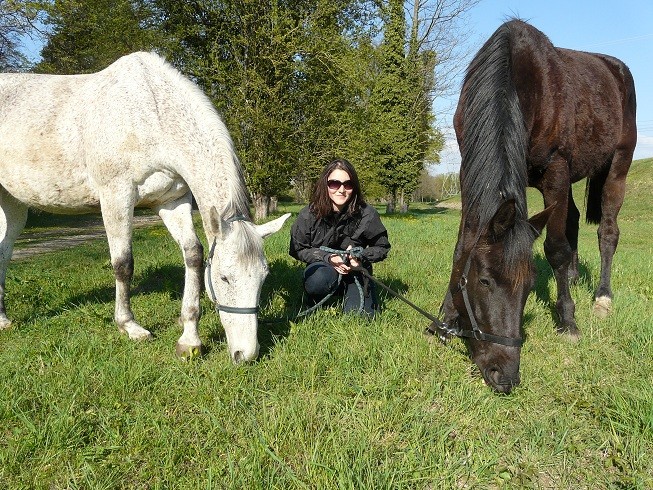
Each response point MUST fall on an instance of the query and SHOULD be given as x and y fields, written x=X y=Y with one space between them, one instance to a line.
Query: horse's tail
x=494 y=138
x=593 y=197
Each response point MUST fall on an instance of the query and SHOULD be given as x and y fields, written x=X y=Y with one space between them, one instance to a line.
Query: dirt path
x=450 y=205
x=34 y=243
x=61 y=238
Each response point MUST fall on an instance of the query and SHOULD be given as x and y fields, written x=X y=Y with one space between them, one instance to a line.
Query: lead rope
x=346 y=255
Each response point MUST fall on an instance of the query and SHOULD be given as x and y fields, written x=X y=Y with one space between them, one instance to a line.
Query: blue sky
x=623 y=29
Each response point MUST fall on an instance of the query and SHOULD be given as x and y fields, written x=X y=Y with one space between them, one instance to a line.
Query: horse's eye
x=224 y=279
x=485 y=282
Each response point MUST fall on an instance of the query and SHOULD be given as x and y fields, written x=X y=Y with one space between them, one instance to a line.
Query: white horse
x=135 y=134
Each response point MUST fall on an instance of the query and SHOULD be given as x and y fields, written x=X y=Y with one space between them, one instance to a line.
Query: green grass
x=334 y=402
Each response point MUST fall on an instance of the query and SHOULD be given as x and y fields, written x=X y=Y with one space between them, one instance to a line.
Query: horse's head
x=490 y=282
x=234 y=275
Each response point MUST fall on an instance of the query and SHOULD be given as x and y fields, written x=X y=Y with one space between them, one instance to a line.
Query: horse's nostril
x=238 y=356
x=496 y=378
x=493 y=374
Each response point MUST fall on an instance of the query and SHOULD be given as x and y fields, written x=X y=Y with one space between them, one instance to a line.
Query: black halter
x=475 y=332
x=218 y=307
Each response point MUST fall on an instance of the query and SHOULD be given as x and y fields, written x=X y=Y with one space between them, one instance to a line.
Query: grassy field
x=334 y=401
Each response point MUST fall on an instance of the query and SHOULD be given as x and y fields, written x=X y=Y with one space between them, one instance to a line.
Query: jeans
x=321 y=279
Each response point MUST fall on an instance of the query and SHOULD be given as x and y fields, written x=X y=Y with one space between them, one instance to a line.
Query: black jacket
x=338 y=231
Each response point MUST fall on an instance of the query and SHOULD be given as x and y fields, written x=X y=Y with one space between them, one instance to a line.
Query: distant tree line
x=435 y=188
x=297 y=82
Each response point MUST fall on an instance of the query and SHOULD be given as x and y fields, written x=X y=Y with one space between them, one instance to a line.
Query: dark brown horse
x=531 y=114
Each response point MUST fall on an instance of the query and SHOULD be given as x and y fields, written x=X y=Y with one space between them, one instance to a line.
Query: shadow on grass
x=285 y=281
x=396 y=285
x=432 y=209
x=42 y=219
x=413 y=213
x=543 y=293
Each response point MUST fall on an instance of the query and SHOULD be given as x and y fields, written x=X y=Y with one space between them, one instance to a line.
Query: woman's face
x=340 y=188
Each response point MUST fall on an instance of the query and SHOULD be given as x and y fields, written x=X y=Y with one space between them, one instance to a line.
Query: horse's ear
x=539 y=220
x=215 y=221
x=503 y=219
x=266 y=229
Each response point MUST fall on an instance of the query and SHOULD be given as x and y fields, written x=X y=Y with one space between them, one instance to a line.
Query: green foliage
x=333 y=82
x=86 y=36
x=334 y=401
x=401 y=105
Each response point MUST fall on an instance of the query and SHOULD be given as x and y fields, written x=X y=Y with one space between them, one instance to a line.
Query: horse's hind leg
x=13 y=216
x=178 y=219
x=117 y=219
x=612 y=198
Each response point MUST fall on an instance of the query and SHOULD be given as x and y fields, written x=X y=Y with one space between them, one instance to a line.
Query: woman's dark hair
x=321 y=204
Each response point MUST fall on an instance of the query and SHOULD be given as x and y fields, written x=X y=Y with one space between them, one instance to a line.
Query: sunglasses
x=334 y=185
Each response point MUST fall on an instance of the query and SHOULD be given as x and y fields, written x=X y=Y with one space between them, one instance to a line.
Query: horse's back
x=579 y=104
x=64 y=137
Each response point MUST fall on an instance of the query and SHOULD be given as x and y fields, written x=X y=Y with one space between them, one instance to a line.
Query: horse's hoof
x=571 y=333
x=572 y=336
x=602 y=307
x=136 y=332
x=188 y=352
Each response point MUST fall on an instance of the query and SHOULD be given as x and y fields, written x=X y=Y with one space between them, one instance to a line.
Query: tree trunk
x=261 y=206
x=391 y=205
x=403 y=203
x=274 y=202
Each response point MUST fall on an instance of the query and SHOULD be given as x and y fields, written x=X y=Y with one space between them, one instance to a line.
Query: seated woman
x=338 y=219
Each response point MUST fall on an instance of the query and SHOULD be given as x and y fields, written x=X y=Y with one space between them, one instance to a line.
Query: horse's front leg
x=573 y=217
x=178 y=219
x=558 y=250
x=118 y=225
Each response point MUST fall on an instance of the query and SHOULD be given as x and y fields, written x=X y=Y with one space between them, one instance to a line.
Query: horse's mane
x=494 y=142
x=230 y=169
x=215 y=127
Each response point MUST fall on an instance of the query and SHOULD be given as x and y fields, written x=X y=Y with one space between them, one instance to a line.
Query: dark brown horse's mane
x=494 y=146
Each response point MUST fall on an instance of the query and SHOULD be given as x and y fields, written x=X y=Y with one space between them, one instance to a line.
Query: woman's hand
x=353 y=261
x=339 y=264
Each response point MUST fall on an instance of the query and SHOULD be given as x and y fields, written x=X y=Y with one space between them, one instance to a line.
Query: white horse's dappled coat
x=137 y=134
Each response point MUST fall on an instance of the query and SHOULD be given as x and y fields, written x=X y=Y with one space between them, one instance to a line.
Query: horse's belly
x=55 y=190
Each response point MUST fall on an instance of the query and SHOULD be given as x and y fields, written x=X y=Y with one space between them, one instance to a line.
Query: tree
x=18 y=19
x=393 y=100
x=333 y=82
x=87 y=36
x=242 y=54
x=297 y=82
x=439 y=27
x=415 y=66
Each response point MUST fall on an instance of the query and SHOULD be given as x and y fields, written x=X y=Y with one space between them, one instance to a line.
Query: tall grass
x=334 y=401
